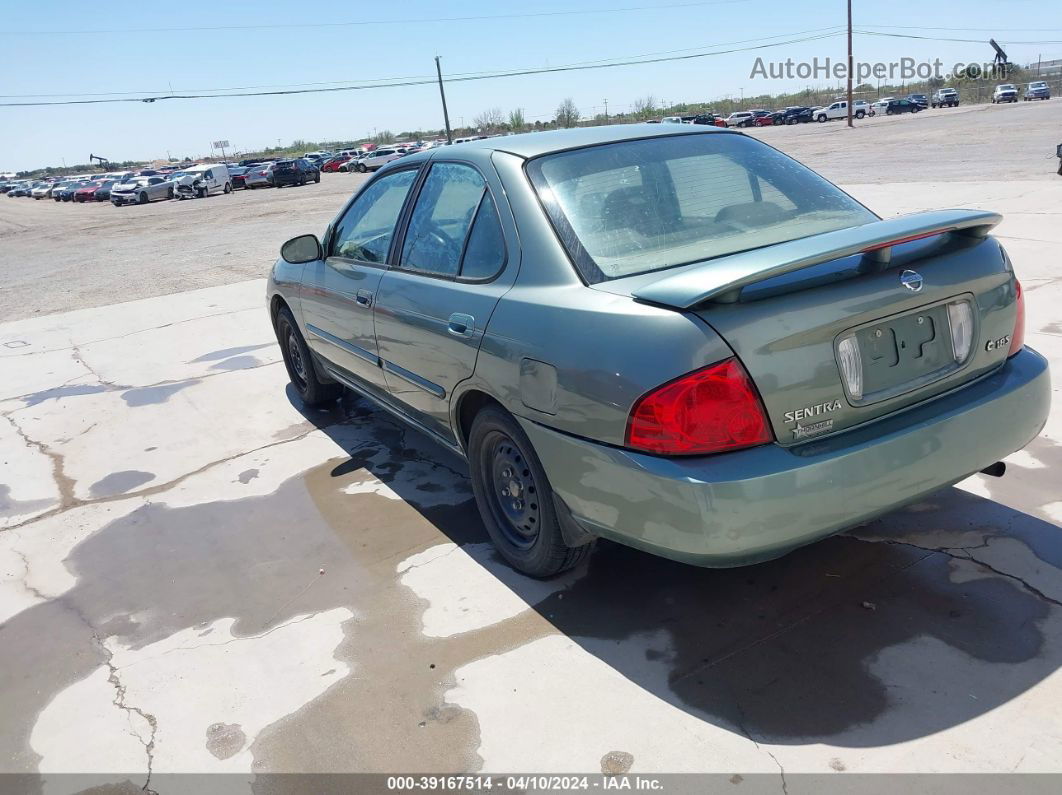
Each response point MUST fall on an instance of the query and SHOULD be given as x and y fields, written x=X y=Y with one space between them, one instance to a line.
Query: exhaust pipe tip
x=996 y=470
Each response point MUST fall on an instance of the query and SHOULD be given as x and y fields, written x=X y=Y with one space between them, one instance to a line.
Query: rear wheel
x=515 y=499
x=299 y=363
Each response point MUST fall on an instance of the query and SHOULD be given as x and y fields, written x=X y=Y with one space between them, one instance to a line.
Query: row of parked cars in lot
x=198 y=180
x=861 y=108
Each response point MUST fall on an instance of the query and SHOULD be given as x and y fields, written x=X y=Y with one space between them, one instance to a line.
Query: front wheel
x=299 y=363
x=142 y=198
x=228 y=187
x=514 y=498
x=860 y=114
x=317 y=177
x=820 y=118
x=361 y=168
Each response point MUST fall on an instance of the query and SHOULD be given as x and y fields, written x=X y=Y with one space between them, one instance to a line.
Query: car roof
x=534 y=144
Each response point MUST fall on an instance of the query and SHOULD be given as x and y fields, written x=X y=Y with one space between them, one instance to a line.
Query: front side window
x=441 y=218
x=366 y=229
x=640 y=206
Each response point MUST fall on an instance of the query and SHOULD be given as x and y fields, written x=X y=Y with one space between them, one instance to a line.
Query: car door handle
x=364 y=297
x=461 y=325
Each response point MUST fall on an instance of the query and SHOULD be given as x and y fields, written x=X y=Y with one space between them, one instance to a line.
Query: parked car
x=66 y=193
x=706 y=377
x=259 y=176
x=332 y=164
x=945 y=98
x=671 y=120
x=1038 y=89
x=839 y=110
x=740 y=118
x=236 y=175
x=795 y=114
x=141 y=191
x=103 y=192
x=373 y=160
x=897 y=106
x=1006 y=92
x=87 y=193
x=766 y=120
x=919 y=99
x=41 y=190
x=295 y=172
x=710 y=119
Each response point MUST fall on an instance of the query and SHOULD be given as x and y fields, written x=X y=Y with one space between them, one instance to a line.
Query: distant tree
x=567 y=113
x=644 y=107
x=490 y=120
x=517 y=121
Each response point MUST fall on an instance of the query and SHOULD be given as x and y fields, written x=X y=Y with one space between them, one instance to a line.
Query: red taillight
x=1017 y=338
x=706 y=411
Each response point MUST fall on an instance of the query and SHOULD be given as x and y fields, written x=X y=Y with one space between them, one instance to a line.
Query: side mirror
x=301 y=249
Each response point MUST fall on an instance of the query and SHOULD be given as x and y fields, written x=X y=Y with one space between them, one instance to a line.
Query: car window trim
x=399 y=222
x=399 y=243
x=487 y=196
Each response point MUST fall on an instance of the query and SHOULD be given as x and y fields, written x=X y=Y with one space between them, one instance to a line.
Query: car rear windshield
x=646 y=205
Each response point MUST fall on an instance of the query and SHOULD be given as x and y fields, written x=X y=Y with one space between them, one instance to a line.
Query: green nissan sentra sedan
x=674 y=337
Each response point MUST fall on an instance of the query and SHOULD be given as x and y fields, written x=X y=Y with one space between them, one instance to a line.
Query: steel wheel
x=513 y=496
x=296 y=364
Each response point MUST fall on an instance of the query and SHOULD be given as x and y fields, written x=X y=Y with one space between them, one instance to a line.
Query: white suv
x=1007 y=92
x=740 y=118
x=374 y=160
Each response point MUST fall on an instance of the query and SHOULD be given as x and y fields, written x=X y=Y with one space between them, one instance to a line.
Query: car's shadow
x=860 y=640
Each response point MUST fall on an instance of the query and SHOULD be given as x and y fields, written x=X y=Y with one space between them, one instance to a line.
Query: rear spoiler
x=720 y=280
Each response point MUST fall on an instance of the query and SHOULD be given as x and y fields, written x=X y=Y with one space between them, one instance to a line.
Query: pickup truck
x=1038 y=89
x=945 y=98
x=839 y=110
x=1005 y=93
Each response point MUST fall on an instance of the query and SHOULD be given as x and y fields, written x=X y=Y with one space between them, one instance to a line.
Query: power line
x=940 y=38
x=424 y=81
x=72 y=95
x=366 y=22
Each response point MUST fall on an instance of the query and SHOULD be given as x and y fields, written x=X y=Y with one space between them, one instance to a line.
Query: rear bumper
x=757 y=504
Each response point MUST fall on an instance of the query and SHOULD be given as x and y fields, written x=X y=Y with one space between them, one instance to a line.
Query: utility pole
x=606 y=111
x=849 y=63
x=442 y=96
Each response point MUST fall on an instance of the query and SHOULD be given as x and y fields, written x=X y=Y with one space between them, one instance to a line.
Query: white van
x=215 y=177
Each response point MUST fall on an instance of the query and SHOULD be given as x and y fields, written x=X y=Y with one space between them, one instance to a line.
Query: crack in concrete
x=71 y=501
x=119 y=701
x=953 y=552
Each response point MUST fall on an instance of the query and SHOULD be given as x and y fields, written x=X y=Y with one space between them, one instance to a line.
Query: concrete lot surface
x=197 y=574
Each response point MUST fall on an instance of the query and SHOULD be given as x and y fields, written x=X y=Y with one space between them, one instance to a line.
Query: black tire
x=821 y=118
x=317 y=177
x=142 y=198
x=860 y=114
x=228 y=187
x=361 y=168
x=504 y=468
x=169 y=193
x=299 y=363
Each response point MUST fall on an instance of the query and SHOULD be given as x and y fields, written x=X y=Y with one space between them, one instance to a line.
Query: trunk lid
x=885 y=287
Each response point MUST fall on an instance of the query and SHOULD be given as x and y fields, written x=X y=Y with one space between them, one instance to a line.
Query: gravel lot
x=59 y=257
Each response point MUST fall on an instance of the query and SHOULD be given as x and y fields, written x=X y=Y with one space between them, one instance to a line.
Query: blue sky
x=66 y=57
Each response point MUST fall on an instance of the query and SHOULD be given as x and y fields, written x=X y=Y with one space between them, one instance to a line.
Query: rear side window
x=366 y=229
x=441 y=218
x=640 y=206
x=485 y=250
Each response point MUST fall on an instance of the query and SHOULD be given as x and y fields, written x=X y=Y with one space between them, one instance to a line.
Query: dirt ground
x=57 y=257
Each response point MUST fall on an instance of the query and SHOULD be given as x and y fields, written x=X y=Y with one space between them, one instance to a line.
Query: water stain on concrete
x=120 y=482
x=237 y=363
x=226 y=353
x=247 y=476
x=59 y=392
x=9 y=506
x=225 y=739
x=151 y=395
